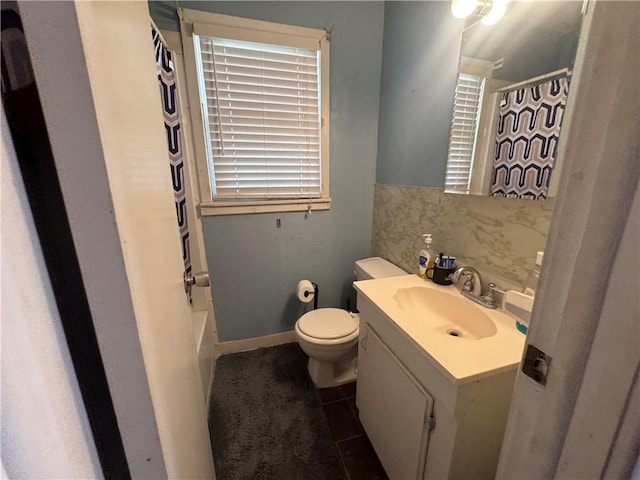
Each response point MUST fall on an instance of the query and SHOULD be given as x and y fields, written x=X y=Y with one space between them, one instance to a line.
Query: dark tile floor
x=356 y=453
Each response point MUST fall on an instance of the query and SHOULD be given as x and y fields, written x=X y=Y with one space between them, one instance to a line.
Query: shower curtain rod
x=164 y=42
x=555 y=73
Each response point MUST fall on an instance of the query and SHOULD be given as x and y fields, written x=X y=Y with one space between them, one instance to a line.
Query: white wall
x=45 y=430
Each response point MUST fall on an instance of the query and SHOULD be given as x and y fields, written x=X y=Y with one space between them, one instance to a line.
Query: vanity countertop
x=426 y=312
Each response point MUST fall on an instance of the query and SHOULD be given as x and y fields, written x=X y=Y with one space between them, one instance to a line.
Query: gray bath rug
x=266 y=419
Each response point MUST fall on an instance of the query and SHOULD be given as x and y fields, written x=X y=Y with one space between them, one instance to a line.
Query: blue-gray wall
x=419 y=71
x=255 y=266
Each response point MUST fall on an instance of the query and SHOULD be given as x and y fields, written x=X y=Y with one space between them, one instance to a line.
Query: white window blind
x=464 y=127
x=261 y=111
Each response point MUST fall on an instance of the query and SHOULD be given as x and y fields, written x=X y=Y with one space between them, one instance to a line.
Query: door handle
x=200 y=279
x=363 y=342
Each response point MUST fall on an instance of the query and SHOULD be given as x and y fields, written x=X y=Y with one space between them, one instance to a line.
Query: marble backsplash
x=500 y=237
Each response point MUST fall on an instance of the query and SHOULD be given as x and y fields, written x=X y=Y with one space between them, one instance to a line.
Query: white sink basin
x=465 y=340
x=445 y=312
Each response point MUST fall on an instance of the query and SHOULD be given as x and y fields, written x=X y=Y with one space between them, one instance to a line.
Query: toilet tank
x=376 y=267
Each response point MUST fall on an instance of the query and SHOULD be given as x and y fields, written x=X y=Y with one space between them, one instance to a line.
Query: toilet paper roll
x=305 y=291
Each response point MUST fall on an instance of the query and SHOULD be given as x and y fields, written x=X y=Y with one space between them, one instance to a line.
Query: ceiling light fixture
x=463 y=8
x=496 y=12
x=490 y=11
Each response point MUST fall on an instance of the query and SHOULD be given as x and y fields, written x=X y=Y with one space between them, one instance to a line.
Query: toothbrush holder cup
x=441 y=276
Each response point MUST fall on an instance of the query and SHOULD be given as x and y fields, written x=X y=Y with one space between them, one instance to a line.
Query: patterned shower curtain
x=171 y=111
x=527 y=140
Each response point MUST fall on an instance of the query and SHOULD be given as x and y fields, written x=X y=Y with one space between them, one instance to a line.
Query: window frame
x=226 y=26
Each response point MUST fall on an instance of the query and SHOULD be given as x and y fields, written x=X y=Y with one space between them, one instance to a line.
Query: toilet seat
x=327 y=324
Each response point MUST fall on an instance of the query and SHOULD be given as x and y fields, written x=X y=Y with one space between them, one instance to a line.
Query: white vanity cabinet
x=423 y=423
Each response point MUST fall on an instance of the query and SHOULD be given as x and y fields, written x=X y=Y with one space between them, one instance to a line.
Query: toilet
x=329 y=336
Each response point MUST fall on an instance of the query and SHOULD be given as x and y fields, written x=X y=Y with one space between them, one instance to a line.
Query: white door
x=583 y=423
x=115 y=59
x=130 y=120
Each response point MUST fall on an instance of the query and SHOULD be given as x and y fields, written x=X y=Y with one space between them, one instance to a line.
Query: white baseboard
x=234 y=346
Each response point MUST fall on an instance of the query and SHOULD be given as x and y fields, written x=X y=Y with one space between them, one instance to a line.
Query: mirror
x=513 y=78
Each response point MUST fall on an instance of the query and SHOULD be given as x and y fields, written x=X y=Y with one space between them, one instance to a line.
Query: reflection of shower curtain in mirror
x=527 y=140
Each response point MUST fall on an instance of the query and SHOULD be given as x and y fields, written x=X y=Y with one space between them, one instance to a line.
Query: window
x=464 y=132
x=260 y=124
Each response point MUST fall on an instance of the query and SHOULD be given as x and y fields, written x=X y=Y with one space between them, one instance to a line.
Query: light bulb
x=498 y=9
x=463 y=8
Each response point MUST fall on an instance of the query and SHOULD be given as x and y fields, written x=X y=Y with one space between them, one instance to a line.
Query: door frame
x=25 y=135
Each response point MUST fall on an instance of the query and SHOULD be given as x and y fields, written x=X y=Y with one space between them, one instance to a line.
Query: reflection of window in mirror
x=470 y=161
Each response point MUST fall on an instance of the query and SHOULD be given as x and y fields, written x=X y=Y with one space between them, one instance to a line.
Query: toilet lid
x=327 y=323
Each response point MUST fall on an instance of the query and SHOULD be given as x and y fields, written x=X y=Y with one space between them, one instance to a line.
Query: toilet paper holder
x=307 y=291
x=315 y=295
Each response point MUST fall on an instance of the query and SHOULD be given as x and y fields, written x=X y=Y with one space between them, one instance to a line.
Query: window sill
x=273 y=206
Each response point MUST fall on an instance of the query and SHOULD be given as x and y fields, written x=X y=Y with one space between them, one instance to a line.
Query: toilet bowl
x=329 y=336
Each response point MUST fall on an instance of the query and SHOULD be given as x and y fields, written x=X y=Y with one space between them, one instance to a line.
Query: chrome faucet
x=484 y=298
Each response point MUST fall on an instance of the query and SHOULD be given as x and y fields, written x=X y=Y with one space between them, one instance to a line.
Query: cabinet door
x=395 y=409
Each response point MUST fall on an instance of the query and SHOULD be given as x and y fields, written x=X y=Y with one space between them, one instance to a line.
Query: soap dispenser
x=426 y=257
x=532 y=282
x=520 y=304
